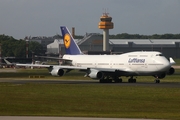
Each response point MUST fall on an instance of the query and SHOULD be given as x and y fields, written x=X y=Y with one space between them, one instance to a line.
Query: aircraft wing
x=7 y=62
x=33 y=65
x=78 y=68
x=64 y=61
x=54 y=68
x=55 y=58
x=121 y=71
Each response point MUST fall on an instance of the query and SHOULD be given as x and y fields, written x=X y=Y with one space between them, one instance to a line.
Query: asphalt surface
x=56 y=81
x=61 y=118
x=95 y=82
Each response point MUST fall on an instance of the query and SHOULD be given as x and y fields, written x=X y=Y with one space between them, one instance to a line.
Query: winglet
x=7 y=62
x=172 y=61
x=70 y=45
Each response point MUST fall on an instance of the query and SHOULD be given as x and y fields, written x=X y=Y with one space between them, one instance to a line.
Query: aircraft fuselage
x=141 y=63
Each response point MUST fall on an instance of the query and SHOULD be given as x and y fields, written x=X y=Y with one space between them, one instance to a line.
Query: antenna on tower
x=105 y=12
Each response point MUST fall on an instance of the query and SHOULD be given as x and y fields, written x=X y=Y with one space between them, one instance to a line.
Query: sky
x=20 y=18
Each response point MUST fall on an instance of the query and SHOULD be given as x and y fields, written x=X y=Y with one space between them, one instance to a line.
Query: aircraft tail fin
x=69 y=43
x=172 y=61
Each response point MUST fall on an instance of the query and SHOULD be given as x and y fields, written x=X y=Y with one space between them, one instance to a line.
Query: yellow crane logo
x=67 y=40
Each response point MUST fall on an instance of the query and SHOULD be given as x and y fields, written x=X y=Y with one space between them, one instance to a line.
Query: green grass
x=177 y=61
x=25 y=73
x=89 y=100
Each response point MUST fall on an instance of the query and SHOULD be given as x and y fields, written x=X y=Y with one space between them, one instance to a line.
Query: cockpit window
x=159 y=54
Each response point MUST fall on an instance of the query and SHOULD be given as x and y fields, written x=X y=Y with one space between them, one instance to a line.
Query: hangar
x=93 y=42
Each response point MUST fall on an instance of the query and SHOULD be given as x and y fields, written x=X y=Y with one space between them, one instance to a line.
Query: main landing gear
x=116 y=80
x=119 y=80
x=131 y=80
x=108 y=79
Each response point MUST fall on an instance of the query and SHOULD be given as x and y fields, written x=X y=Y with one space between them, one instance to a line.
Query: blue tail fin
x=70 y=45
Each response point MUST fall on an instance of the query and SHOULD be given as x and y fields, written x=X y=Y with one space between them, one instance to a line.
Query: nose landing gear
x=157 y=79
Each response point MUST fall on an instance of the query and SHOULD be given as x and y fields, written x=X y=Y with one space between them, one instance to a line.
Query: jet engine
x=57 y=72
x=171 y=71
x=95 y=74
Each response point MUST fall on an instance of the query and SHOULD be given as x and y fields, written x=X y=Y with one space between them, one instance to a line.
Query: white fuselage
x=142 y=63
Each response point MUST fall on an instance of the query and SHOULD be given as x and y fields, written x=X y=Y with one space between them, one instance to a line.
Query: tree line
x=11 y=47
x=137 y=36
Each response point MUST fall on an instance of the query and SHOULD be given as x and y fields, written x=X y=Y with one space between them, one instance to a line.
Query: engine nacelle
x=95 y=74
x=57 y=72
x=171 y=71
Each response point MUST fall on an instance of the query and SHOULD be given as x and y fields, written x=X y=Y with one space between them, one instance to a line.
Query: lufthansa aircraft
x=108 y=68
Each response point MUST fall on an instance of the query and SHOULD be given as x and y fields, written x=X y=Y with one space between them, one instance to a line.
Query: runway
x=94 y=82
x=61 y=118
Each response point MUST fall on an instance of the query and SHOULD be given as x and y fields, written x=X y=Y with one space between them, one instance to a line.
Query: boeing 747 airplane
x=108 y=68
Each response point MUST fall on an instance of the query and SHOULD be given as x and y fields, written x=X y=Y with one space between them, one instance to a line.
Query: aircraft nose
x=163 y=64
x=167 y=63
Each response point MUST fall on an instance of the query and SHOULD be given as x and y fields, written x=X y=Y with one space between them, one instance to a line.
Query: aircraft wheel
x=157 y=81
x=101 y=81
x=109 y=81
x=134 y=80
x=118 y=80
x=130 y=80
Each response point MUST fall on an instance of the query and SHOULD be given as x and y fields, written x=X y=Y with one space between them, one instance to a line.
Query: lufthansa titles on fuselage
x=136 y=60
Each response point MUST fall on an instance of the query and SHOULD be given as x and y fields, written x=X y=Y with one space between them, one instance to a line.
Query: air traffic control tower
x=105 y=24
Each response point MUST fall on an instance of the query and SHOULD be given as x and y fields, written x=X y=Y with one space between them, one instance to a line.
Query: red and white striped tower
x=0 y=54
x=27 y=46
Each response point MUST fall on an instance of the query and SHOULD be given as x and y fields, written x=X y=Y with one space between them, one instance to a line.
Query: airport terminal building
x=94 y=42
